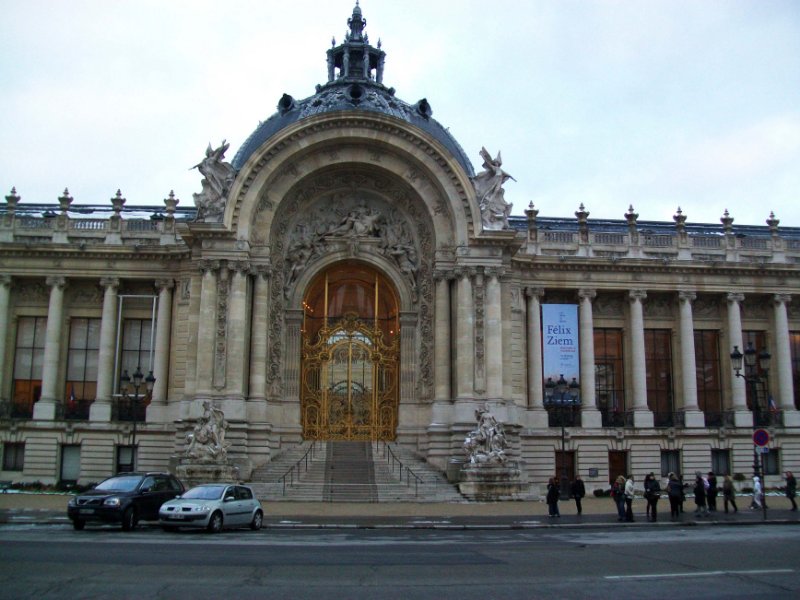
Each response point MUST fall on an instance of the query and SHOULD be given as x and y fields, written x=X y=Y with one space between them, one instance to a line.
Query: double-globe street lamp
x=561 y=399
x=134 y=384
x=753 y=376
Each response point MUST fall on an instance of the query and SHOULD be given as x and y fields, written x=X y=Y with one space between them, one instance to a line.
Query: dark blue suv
x=126 y=498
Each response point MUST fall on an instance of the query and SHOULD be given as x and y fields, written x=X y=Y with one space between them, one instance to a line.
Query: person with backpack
x=618 y=493
x=674 y=493
x=578 y=491
x=729 y=494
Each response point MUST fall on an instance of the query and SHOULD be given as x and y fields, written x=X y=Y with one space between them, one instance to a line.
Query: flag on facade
x=771 y=403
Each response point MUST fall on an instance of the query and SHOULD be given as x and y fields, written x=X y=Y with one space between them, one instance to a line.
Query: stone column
x=465 y=336
x=590 y=416
x=537 y=413
x=494 y=336
x=256 y=399
x=237 y=342
x=101 y=407
x=642 y=416
x=442 y=338
x=45 y=408
x=741 y=415
x=784 y=395
x=206 y=327
x=291 y=369
x=5 y=295
x=692 y=415
x=158 y=403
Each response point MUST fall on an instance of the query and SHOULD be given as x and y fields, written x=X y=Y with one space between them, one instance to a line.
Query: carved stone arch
x=302 y=238
x=380 y=142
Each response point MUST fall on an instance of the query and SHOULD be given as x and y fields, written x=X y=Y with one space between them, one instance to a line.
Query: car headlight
x=113 y=501
x=202 y=508
x=72 y=502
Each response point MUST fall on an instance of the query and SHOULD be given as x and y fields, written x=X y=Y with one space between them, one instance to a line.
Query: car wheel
x=258 y=520
x=78 y=525
x=129 y=520
x=215 y=522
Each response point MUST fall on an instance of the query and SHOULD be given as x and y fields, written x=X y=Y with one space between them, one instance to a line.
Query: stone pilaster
x=442 y=338
x=590 y=416
x=784 y=395
x=237 y=338
x=693 y=416
x=101 y=407
x=537 y=413
x=206 y=327
x=158 y=403
x=5 y=296
x=741 y=415
x=465 y=336
x=494 y=336
x=642 y=416
x=259 y=340
x=45 y=408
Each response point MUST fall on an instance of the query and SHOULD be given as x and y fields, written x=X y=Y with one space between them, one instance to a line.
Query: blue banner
x=560 y=349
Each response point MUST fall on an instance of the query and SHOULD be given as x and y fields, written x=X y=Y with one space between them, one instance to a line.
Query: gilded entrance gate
x=350 y=366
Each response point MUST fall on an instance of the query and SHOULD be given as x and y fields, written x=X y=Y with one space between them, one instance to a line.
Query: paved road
x=709 y=562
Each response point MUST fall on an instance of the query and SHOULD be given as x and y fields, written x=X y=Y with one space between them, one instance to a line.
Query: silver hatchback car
x=213 y=506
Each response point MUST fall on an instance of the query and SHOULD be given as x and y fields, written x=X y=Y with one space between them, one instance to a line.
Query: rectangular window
x=13 y=456
x=28 y=361
x=70 y=463
x=609 y=375
x=125 y=459
x=136 y=345
x=82 y=358
x=670 y=462
x=771 y=462
x=759 y=341
x=721 y=462
x=658 y=366
x=707 y=369
x=794 y=342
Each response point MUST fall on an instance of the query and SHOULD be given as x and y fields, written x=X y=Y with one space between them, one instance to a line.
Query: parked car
x=213 y=506
x=126 y=498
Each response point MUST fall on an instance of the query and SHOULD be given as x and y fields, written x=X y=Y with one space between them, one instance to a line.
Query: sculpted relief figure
x=218 y=177
x=206 y=443
x=489 y=189
x=487 y=443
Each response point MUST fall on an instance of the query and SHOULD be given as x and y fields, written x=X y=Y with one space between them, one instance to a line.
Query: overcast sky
x=658 y=104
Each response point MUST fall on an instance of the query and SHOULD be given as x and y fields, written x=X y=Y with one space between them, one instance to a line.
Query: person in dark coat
x=700 y=496
x=674 y=493
x=652 y=493
x=729 y=493
x=578 y=491
x=552 y=498
x=711 y=492
x=791 y=489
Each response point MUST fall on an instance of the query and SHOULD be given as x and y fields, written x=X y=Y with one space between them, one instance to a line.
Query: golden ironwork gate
x=349 y=383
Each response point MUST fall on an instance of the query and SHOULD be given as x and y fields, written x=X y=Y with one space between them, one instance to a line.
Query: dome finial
x=356 y=24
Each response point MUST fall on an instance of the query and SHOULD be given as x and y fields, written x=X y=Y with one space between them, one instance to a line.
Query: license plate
x=86 y=511
x=175 y=517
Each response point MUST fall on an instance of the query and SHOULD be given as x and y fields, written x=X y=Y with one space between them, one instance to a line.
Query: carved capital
x=208 y=266
x=241 y=267
x=782 y=298
x=637 y=295
x=735 y=298
x=164 y=284
x=56 y=281
x=587 y=294
x=109 y=282
x=534 y=292
x=687 y=296
x=5 y=280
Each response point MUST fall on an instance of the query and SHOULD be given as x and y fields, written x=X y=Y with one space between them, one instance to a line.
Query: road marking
x=701 y=574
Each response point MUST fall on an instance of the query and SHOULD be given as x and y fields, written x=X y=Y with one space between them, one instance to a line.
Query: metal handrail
x=309 y=455
x=392 y=459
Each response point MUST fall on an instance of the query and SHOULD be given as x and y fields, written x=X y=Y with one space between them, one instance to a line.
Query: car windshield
x=120 y=484
x=205 y=492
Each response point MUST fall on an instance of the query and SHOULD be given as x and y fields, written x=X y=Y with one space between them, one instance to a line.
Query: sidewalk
x=17 y=508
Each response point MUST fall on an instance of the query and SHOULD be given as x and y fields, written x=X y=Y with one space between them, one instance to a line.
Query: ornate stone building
x=350 y=276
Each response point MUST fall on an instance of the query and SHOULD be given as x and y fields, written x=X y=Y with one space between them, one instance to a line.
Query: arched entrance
x=350 y=362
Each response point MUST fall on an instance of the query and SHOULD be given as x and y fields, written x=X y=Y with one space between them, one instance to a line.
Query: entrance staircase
x=345 y=471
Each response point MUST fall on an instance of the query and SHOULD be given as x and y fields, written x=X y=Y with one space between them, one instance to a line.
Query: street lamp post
x=128 y=383
x=753 y=377
x=561 y=399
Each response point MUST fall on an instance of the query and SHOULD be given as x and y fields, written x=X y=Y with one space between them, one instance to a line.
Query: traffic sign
x=761 y=437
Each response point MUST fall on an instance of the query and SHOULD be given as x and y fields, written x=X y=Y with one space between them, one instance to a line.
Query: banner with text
x=560 y=341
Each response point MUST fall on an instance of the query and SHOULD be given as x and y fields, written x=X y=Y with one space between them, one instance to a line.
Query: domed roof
x=355 y=83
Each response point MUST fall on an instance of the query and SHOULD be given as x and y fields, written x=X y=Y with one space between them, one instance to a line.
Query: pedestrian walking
x=652 y=493
x=683 y=493
x=618 y=493
x=757 y=493
x=578 y=491
x=791 y=489
x=701 y=508
x=729 y=493
x=552 y=498
x=629 y=492
x=711 y=492
x=674 y=493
